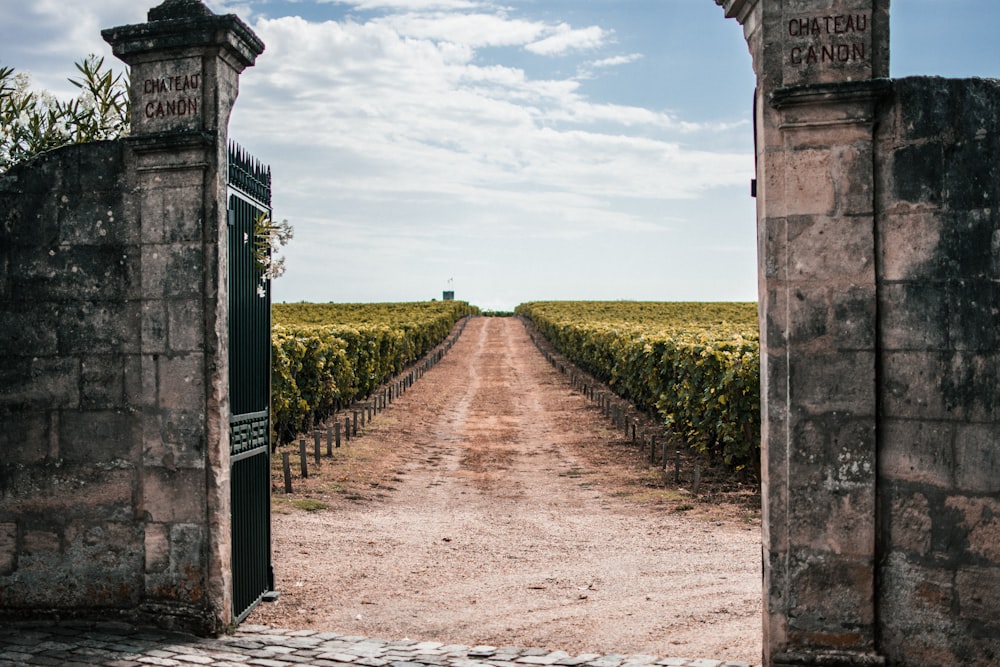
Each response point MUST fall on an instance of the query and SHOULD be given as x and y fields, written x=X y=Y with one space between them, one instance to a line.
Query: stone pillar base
x=828 y=658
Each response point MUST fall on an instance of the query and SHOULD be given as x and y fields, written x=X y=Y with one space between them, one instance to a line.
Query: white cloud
x=416 y=133
x=567 y=38
x=27 y=31
x=614 y=61
x=392 y=145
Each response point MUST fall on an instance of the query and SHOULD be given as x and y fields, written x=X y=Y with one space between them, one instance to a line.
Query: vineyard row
x=319 y=368
x=697 y=365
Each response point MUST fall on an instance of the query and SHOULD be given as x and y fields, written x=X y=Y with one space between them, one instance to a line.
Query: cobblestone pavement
x=121 y=645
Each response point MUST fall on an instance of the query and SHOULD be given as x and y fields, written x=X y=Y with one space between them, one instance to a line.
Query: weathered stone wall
x=70 y=433
x=939 y=393
x=105 y=403
x=114 y=414
x=878 y=246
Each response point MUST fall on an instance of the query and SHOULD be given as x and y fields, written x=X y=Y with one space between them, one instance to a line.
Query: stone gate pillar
x=821 y=68
x=185 y=66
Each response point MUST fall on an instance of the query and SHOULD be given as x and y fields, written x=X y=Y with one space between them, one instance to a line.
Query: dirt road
x=486 y=506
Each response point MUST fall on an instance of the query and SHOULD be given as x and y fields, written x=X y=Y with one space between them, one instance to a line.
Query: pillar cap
x=182 y=24
x=737 y=9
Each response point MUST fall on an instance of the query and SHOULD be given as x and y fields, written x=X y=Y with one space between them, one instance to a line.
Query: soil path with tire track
x=489 y=510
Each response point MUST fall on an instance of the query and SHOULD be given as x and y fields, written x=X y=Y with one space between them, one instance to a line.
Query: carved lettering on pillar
x=828 y=47
x=171 y=96
x=168 y=96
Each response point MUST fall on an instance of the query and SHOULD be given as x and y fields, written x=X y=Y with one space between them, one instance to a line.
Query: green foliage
x=32 y=122
x=326 y=355
x=696 y=364
x=309 y=504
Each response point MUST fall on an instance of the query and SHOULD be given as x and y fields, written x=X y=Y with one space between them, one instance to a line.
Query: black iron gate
x=249 y=196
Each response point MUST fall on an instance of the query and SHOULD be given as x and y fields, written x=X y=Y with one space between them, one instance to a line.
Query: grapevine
x=696 y=364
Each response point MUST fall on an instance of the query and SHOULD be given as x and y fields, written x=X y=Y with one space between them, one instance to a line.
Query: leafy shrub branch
x=32 y=122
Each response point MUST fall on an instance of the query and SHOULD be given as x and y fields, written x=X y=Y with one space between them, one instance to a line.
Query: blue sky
x=511 y=151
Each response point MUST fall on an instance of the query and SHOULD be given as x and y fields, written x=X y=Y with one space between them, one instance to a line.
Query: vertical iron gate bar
x=249 y=197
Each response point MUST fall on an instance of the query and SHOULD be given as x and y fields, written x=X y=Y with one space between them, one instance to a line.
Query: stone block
x=39 y=384
x=154 y=326
x=31 y=220
x=70 y=491
x=852 y=173
x=909 y=521
x=774 y=509
x=825 y=318
x=854 y=315
x=95 y=218
x=99 y=327
x=840 y=382
x=918 y=173
x=157 y=547
x=809 y=183
x=967 y=250
x=941 y=385
x=970 y=385
x=174 y=439
x=926 y=107
x=977 y=458
x=102 y=382
x=149 y=115
x=41 y=543
x=773 y=250
x=172 y=208
x=186 y=322
x=974 y=310
x=174 y=496
x=771 y=179
x=774 y=391
x=147 y=398
x=830 y=592
x=831 y=249
x=8 y=548
x=105 y=550
x=909 y=385
x=916 y=618
x=842 y=523
x=979 y=604
x=72 y=273
x=25 y=437
x=133 y=381
x=809 y=315
x=172 y=271
x=777 y=322
x=971 y=172
x=98 y=436
x=184 y=579
x=820 y=49
x=917 y=451
x=93 y=567
x=187 y=546
x=183 y=214
x=29 y=329
x=980 y=523
x=909 y=243
x=914 y=316
x=181 y=382
x=830 y=125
